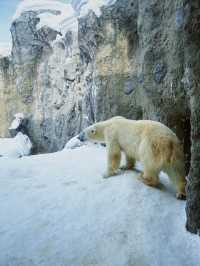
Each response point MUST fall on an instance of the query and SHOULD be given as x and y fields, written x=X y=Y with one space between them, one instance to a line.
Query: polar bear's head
x=92 y=133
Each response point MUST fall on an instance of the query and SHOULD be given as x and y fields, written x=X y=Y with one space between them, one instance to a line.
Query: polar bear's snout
x=82 y=136
x=88 y=134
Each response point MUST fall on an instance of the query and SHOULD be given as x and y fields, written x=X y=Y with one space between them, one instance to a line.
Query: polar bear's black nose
x=81 y=136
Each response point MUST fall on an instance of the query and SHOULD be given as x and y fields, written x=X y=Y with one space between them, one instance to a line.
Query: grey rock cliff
x=135 y=52
x=129 y=61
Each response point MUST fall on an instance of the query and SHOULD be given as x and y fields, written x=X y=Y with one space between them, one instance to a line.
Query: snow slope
x=57 y=210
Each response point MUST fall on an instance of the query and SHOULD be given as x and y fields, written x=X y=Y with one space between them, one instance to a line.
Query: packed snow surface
x=57 y=210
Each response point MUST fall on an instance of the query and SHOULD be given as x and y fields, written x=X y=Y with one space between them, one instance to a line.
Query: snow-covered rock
x=56 y=209
x=15 y=147
x=19 y=117
x=84 y=6
x=58 y=15
x=54 y=14
x=74 y=143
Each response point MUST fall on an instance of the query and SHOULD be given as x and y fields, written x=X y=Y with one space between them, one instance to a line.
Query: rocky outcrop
x=192 y=81
x=39 y=79
x=135 y=53
x=128 y=61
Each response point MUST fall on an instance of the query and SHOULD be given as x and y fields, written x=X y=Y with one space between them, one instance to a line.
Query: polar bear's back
x=136 y=135
x=143 y=127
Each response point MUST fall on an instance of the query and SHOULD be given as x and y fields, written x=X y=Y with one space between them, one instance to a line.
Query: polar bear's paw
x=181 y=196
x=107 y=175
x=149 y=181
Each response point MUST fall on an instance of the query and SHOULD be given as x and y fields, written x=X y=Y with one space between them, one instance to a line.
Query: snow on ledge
x=17 y=121
x=35 y=5
x=66 y=15
x=45 y=7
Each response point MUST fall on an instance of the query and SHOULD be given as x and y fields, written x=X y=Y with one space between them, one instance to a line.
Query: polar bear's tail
x=177 y=158
x=168 y=150
x=176 y=152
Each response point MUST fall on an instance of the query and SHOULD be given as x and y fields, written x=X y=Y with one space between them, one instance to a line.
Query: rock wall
x=136 y=56
x=40 y=79
x=128 y=61
x=192 y=85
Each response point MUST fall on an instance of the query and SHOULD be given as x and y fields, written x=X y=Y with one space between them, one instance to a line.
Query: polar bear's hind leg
x=177 y=175
x=150 y=177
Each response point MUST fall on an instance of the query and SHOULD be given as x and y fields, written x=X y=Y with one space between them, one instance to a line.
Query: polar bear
x=150 y=142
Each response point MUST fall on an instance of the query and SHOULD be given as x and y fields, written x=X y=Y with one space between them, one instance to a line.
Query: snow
x=57 y=15
x=95 y=6
x=5 y=49
x=55 y=19
x=67 y=19
x=74 y=143
x=56 y=209
x=15 y=147
x=17 y=121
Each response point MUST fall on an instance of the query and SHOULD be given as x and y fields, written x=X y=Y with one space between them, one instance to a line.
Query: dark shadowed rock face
x=129 y=61
x=192 y=86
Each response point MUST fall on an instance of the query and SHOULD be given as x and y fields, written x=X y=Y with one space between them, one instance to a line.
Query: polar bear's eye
x=92 y=131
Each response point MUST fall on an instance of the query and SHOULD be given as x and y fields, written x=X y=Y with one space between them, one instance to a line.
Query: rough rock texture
x=136 y=53
x=192 y=44
x=39 y=80
x=129 y=61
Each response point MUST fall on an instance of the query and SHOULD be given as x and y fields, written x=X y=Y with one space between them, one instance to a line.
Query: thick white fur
x=150 y=142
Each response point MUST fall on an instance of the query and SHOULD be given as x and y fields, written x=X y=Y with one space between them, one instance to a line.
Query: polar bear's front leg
x=130 y=163
x=113 y=159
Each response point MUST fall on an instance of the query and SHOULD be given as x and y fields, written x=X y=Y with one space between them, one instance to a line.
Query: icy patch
x=15 y=147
